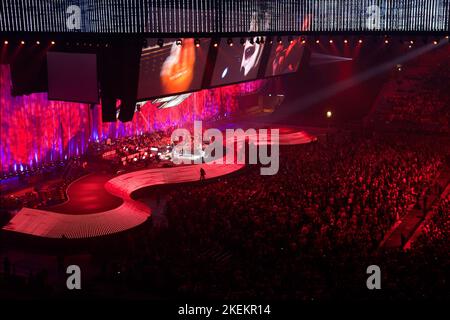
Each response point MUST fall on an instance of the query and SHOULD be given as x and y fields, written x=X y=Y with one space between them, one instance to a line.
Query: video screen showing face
x=285 y=57
x=172 y=67
x=237 y=62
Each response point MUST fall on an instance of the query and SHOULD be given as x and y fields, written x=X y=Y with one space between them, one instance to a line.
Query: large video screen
x=237 y=62
x=285 y=56
x=173 y=66
x=72 y=77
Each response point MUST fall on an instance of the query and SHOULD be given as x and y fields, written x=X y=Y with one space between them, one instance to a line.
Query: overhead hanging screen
x=237 y=62
x=172 y=66
x=285 y=56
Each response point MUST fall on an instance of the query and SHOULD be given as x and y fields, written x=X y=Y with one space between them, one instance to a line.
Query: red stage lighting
x=345 y=41
x=317 y=41
x=386 y=41
x=53 y=42
x=331 y=41
x=22 y=42
x=360 y=41
x=6 y=42
x=38 y=42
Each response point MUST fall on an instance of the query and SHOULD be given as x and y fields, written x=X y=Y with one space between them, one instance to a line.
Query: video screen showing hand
x=174 y=66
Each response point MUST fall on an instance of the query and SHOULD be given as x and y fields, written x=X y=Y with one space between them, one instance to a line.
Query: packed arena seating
x=416 y=95
x=302 y=234
x=436 y=231
x=328 y=199
x=299 y=234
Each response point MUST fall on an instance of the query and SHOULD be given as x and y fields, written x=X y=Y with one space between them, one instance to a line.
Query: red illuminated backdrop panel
x=34 y=129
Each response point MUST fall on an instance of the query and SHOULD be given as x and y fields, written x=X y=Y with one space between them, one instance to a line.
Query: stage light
x=329 y=114
x=435 y=42
x=160 y=43
x=197 y=42
x=412 y=42
x=215 y=44
x=6 y=42
x=53 y=42
x=230 y=42
x=317 y=41
x=446 y=37
x=360 y=41
x=386 y=41
x=303 y=41
x=280 y=41
x=22 y=42
x=331 y=41
x=345 y=41
x=290 y=40
x=37 y=42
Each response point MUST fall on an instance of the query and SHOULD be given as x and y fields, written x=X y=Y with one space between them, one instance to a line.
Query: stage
x=100 y=205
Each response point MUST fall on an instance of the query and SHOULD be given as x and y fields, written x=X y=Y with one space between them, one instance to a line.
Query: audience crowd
x=417 y=94
x=307 y=233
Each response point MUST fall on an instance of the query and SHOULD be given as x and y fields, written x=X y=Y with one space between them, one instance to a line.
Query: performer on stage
x=202 y=174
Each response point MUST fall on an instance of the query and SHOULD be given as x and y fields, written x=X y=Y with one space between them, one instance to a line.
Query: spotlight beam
x=320 y=58
x=330 y=91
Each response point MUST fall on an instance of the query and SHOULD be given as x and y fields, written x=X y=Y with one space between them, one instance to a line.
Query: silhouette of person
x=202 y=174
